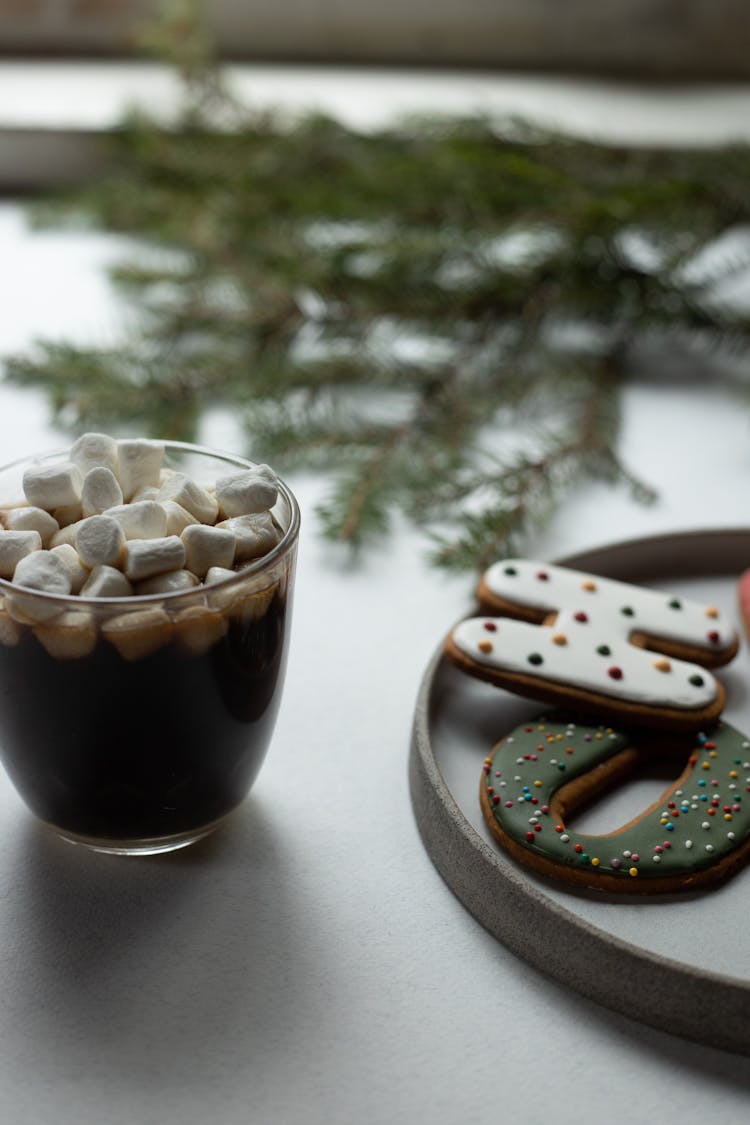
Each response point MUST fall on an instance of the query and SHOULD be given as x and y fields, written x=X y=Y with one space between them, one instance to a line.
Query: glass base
x=153 y=845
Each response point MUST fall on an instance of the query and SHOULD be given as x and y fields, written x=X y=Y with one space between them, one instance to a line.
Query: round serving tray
x=556 y=931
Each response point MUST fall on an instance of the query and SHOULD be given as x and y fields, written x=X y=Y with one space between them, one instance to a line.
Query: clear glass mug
x=136 y=725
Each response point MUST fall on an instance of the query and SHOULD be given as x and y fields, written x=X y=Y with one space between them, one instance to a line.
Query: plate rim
x=701 y=1005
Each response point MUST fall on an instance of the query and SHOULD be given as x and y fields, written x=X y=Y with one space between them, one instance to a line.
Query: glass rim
x=133 y=601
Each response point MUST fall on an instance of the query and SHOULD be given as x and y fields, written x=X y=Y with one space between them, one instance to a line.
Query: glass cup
x=135 y=725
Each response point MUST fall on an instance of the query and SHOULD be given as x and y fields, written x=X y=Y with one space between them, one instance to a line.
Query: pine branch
x=440 y=313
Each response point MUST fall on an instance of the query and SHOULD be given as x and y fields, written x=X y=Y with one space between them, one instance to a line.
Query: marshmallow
x=146 y=557
x=139 y=464
x=191 y=496
x=197 y=628
x=10 y=631
x=177 y=518
x=138 y=634
x=255 y=535
x=66 y=534
x=46 y=573
x=206 y=547
x=106 y=582
x=244 y=601
x=218 y=574
x=100 y=541
x=148 y=492
x=70 y=636
x=69 y=513
x=101 y=490
x=94 y=450
x=241 y=494
x=77 y=571
x=52 y=486
x=144 y=519
x=32 y=519
x=170 y=583
x=14 y=546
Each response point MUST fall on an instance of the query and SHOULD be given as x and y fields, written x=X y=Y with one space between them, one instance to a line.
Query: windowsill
x=52 y=114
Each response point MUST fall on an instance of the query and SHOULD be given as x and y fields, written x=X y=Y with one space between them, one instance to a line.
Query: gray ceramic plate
x=679 y=963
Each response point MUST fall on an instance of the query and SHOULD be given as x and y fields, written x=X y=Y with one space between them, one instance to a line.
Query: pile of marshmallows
x=112 y=521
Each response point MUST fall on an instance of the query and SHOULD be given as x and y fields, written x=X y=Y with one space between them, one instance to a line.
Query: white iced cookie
x=596 y=644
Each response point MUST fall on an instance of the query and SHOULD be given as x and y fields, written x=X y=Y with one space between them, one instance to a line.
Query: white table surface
x=307 y=964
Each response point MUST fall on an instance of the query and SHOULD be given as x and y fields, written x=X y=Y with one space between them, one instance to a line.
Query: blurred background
x=654 y=38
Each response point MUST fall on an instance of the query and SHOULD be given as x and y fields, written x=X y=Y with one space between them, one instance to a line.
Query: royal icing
x=701 y=819
x=622 y=607
x=587 y=646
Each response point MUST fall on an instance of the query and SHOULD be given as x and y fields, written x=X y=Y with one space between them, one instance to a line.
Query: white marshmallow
x=191 y=496
x=146 y=557
x=94 y=450
x=52 y=486
x=206 y=547
x=144 y=519
x=66 y=534
x=177 y=518
x=139 y=633
x=14 y=546
x=245 y=493
x=148 y=492
x=170 y=583
x=139 y=463
x=218 y=574
x=69 y=513
x=244 y=600
x=32 y=519
x=44 y=572
x=100 y=541
x=101 y=490
x=106 y=582
x=197 y=628
x=70 y=636
x=77 y=571
x=10 y=631
x=255 y=535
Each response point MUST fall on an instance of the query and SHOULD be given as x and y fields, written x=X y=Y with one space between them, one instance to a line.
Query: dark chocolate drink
x=116 y=749
x=145 y=593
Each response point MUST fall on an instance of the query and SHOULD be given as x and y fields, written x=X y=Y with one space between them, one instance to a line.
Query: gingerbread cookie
x=696 y=834
x=596 y=645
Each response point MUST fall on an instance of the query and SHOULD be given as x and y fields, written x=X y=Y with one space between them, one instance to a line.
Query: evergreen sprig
x=440 y=312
